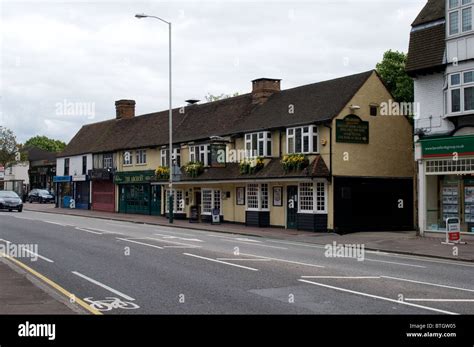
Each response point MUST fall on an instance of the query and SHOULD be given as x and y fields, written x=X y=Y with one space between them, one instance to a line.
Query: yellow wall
x=152 y=161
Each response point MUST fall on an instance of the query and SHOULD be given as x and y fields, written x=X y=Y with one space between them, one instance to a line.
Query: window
x=258 y=144
x=200 y=153
x=66 y=167
x=108 y=161
x=373 y=111
x=84 y=165
x=165 y=157
x=302 y=140
x=178 y=201
x=257 y=196
x=461 y=92
x=460 y=18
x=127 y=158
x=211 y=199
x=312 y=197
x=141 y=156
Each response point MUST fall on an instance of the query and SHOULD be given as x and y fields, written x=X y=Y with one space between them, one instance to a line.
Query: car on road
x=40 y=195
x=10 y=201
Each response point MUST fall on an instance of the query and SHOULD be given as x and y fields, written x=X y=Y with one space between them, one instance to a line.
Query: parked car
x=10 y=201
x=40 y=195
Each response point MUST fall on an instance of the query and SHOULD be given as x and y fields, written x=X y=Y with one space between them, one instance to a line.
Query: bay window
x=461 y=92
x=258 y=144
x=200 y=153
x=257 y=197
x=302 y=140
x=210 y=199
x=312 y=197
x=460 y=16
x=178 y=201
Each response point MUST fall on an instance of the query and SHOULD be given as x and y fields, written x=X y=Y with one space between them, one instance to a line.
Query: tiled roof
x=433 y=11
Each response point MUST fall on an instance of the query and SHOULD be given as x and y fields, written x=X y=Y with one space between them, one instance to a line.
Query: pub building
x=318 y=157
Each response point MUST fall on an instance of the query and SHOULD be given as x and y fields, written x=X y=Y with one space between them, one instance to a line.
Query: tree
x=45 y=143
x=392 y=71
x=8 y=147
x=210 y=97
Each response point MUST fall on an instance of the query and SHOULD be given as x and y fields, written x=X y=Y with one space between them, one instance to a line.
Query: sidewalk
x=396 y=242
x=19 y=295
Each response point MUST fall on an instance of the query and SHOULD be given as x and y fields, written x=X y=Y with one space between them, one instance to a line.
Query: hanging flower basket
x=251 y=166
x=194 y=168
x=293 y=162
x=162 y=173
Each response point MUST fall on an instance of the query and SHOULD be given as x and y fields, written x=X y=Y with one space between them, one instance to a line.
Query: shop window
x=312 y=197
x=257 y=196
x=210 y=199
x=178 y=201
x=302 y=140
x=258 y=144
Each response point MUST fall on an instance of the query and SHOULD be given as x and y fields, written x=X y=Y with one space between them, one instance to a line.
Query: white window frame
x=461 y=86
x=140 y=155
x=164 y=156
x=459 y=9
x=264 y=139
x=312 y=134
x=202 y=155
x=263 y=197
x=178 y=195
x=216 y=196
x=315 y=189
x=127 y=163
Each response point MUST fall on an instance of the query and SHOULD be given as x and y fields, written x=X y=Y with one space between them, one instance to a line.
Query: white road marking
x=248 y=240
x=429 y=260
x=344 y=277
x=379 y=297
x=39 y=256
x=221 y=262
x=112 y=290
x=240 y=259
x=396 y=263
x=283 y=260
x=89 y=231
x=440 y=300
x=56 y=223
x=254 y=244
x=140 y=243
x=297 y=244
x=428 y=283
x=123 y=226
x=173 y=242
x=179 y=238
x=5 y=241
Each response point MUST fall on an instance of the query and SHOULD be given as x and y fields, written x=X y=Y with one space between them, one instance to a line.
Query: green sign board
x=352 y=129
x=448 y=146
x=134 y=177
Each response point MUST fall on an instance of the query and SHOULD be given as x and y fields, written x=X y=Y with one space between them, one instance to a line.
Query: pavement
x=118 y=267
x=402 y=242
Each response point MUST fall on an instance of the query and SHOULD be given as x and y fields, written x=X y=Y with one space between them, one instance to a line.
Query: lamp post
x=170 y=198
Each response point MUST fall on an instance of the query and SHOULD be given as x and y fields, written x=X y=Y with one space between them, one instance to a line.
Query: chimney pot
x=263 y=88
x=125 y=109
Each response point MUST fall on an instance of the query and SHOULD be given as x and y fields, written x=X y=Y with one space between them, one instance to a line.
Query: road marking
x=396 y=263
x=248 y=240
x=430 y=260
x=39 y=256
x=254 y=244
x=124 y=226
x=283 y=260
x=297 y=244
x=56 y=223
x=428 y=283
x=179 y=238
x=173 y=242
x=89 y=231
x=240 y=259
x=5 y=241
x=379 y=297
x=112 y=290
x=55 y=286
x=140 y=243
x=440 y=300
x=221 y=262
x=344 y=277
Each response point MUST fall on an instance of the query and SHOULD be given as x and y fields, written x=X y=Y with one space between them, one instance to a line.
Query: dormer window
x=302 y=140
x=200 y=153
x=258 y=144
x=459 y=16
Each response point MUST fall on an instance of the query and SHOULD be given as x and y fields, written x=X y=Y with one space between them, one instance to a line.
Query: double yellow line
x=53 y=285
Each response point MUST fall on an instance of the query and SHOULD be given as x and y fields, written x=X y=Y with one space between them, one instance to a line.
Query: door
x=155 y=208
x=291 y=207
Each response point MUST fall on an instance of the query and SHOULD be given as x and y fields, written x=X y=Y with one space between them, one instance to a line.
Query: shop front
x=64 y=191
x=446 y=183
x=136 y=194
x=82 y=192
x=103 y=190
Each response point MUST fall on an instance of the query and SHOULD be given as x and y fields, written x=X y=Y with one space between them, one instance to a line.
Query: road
x=127 y=268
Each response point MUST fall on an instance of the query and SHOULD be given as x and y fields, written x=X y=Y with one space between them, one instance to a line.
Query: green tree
x=210 y=97
x=8 y=147
x=392 y=71
x=45 y=143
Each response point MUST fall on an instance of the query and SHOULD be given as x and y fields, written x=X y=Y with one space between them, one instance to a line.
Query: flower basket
x=194 y=168
x=251 y=166
x=162 y=173
x=293 y=162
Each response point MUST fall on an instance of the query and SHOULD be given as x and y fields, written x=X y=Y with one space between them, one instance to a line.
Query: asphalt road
x=127 y=268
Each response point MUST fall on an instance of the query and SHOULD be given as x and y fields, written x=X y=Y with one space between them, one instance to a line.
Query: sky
x=63 y=64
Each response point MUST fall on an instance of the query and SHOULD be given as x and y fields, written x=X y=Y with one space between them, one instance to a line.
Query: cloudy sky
x=64 y=63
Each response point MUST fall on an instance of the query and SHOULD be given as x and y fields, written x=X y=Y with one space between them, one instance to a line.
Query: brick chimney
x=263 y=88
x=125 y=109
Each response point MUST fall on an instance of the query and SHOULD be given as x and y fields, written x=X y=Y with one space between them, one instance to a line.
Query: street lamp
x=170 y=198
